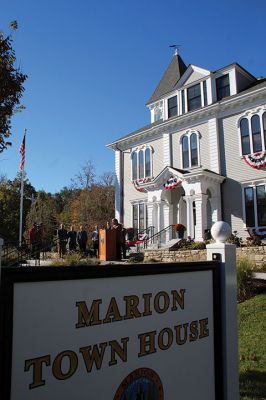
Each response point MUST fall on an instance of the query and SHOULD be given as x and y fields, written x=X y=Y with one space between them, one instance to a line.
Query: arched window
x=185 y=152
x=253 y=132
x=190 y=149
x=256 y=135
x=245 y=143
x=264 y=128
x=134 y=166
x=194 y=149
x=147 y=162
x=141 y=164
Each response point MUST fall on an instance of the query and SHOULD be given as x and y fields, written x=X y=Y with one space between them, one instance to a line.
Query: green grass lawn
x=252 y=348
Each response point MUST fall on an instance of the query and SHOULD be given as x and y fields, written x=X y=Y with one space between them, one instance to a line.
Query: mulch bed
x=258 y=287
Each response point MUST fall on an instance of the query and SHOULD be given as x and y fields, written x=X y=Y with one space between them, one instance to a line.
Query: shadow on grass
x=252 y=384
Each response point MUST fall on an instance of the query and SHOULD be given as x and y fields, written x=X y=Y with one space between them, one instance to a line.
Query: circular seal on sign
x=142 y=383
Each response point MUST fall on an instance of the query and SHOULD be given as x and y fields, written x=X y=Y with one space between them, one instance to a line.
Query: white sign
x=118 y=338
x=118 y=333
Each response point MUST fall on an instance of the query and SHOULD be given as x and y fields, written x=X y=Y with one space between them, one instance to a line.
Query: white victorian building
x=202 y=158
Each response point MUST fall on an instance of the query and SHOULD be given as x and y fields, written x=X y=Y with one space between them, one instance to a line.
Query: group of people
x=72 y=240
x=75 y=240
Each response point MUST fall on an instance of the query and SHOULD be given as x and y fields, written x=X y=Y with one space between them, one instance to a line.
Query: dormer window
x=141 y=163
x=194 y=97
x=172 y=106
x=222 y=87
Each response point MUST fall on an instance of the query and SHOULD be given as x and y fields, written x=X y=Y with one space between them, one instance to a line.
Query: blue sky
x=92 y=65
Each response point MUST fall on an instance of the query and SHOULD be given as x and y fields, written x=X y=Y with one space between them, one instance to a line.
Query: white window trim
x=248 y=115
x=137 y=150
x=189 y=133
x=159 y=105
x=166 y=104
x=232 y=82
x=252 y=185
x=185 y=88
x=138 y=203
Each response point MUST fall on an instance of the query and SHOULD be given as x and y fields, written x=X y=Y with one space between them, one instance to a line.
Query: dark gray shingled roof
x=170 y=78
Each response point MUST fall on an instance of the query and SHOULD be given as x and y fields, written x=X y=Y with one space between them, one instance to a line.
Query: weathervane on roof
x=176 y=47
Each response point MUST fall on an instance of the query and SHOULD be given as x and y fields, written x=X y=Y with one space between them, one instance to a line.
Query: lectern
x=107 y=245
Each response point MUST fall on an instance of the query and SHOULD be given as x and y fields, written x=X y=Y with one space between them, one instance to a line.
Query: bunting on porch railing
x=172 y=183
x=256 y=160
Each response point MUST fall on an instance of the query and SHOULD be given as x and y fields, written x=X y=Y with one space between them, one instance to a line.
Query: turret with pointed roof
x=170 y=78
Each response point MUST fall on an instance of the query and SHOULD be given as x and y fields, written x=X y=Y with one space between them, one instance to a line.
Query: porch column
x=159 y=216
x=201 y=215
x=190 y=219
x=150 y=214
x=167 y=218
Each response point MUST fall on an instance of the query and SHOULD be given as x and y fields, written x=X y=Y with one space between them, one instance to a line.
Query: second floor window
x=190 y=150
x=253 y=134
x=141 y=163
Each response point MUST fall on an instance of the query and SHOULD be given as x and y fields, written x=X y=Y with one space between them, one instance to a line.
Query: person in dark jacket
x=82 y=238
x=118 y=228
x=62 y=240
x=72 y=239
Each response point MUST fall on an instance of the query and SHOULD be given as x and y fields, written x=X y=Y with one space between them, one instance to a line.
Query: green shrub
x=245 y=270
x=74 y=259
x=198 y=245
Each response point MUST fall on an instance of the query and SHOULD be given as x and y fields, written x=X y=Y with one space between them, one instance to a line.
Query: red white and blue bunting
x=256 y=160
x=138 y=187
x=172 y=183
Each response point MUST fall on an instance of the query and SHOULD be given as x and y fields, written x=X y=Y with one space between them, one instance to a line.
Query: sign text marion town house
x=111 y=332
x=93 y=355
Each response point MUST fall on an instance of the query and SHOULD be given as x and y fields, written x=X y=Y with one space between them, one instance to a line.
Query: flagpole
x=21 y=199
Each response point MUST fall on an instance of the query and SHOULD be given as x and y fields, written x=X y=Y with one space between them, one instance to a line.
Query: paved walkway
x=260 y=275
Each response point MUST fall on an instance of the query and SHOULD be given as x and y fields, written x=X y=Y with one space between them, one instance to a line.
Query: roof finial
x=176 y=47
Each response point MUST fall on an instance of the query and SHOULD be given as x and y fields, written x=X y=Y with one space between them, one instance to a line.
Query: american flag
x=22 y=151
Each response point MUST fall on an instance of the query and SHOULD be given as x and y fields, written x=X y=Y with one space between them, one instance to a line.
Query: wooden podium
x=107 y=245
